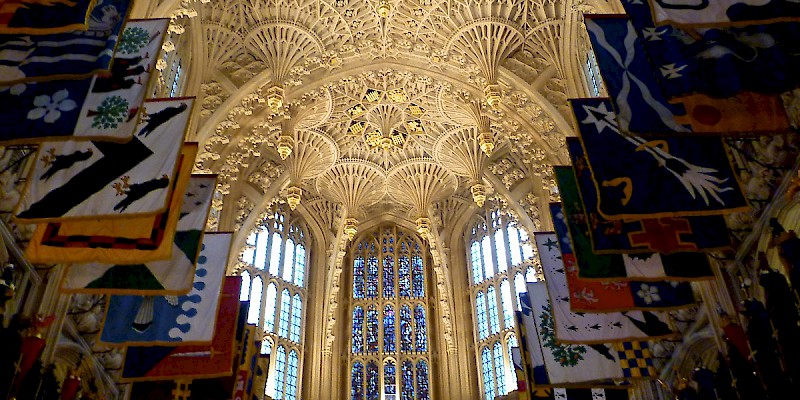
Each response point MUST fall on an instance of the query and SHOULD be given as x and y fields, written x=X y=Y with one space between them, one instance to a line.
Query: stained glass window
x=372 y=329
x=357 y=381
x=255 y=305
x=404 y=276
x=488 y=263
x=491 y=302
x=480 y=311
x=530 y=275
x=388 y=277
x=286 y=308
x=488 y=379
x=291 y=377
x=477 y=264
x=388 y=329
x=519 y=285
x=507 y=304
x=422 y=381
x=389 y=377
x=358 y=329
x=500 y=250
x=280 y=372
x=499 y=369
x=513 y=244
x=274 y=258
x=297 y=309
x=358 y=277
x=421 y=340
x=266 y=346
x=511 y=342
x=405 y=329
x=373 y=381
x=407 y=381
x=244 y=295
x=372 y=277
x=269 y=308
x=419 y=276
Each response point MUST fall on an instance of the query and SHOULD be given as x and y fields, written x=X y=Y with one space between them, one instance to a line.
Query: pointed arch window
x=273 y=272
x=390 y=317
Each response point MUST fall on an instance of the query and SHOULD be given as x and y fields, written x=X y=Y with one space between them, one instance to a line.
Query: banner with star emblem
x=155 y=363
x=721 y=61
x=115 y=240
x=171 y=276
x=70 y=55
x=637 y=178
x=557 y=364
x=169 y=320
x=585 y=328
x=715 y=13
x=74 y=180
x=596 y=295
x=642 y=107
x=677 y=266
x=664 y=235
x=581 y=394
x=40 y=17
x=103 y=107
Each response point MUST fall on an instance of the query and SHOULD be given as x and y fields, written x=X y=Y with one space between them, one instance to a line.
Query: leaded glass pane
x=249 y=252
x=389 y=377
x=513 y=244
x=480 y=311
x=527 y=248
x=300 y=265
x=357 y=381
x=404 y=277
x=244 y=293
x=269 y=308
x=419 y=276
x=297 y=308
x=511 y=342
x=500 y=249
x=373 y=381
x=422 y=381
x=488 y=379
x=389 y=335
x=261 y=250
x=491 y=302
x=407 y=381
x=421 y=339
x=488 y=263
x=372 y=277
x=530 y=275
x=372 y=329
x=286 y=307
x=358 y=329
x=275 y=253
x=499 y=369
x=519 y=285
x=291 y=377
x=507 y=305
x=255 y=305
x=477 y=264
x=388 y=277
x=406 y=342
x=358 y=278
x=280 y=372
x=288 y=261
x=266 y=347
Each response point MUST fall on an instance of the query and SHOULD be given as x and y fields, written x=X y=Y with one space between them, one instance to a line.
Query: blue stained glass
x=286 y=308
x=269 y=308
x=421 y=340
x=358 y=278
x=297 y=309
x=480 y=311
x=507 y=304
x=422 y=381
x=388 y=277
x=404 y=277
x=372 y=277
x=477 y=264
x=389 y=377
x=419 y=276
x=280 y=372
x=511 y=342
x=266 y=347
x=499 y=369
x=486 y=369
x=406 y=342
x=373 y=381
x=388 y=330
x=372 y=330
x=407 y=381
x=357 y=381
x=358 y=329
x=494 y=318
x=300 y=265
x=291 y=377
